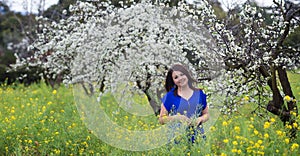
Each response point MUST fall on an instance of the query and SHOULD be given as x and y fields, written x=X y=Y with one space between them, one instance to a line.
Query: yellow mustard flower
x=249 y=149
x=260 y=153
x=255 y=132
x=267 y=125
x=223 y=154
x=287 y=98
x=288 y=126
x=13 y=118
x=279 y=133
x=295 y=125
x=287 y=140
x=57 y=151
x=237 y=129
x=235 y=143
x=294 y=146
x=293 y=113
x=239 y=151
x=88 y=138
x=225 y=123
x=212 y=128
x=251 y=126
x=234 y=150
x=246 y=98
x=272 y=120
x=260 y=142
x=266 y=135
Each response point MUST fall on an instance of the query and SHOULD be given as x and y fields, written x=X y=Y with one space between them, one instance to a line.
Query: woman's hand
x=182 y=118
x=199 y=121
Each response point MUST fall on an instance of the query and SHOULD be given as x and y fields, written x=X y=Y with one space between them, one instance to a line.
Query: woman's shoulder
x=171 y=91
x=169 y=94
x=199 y=90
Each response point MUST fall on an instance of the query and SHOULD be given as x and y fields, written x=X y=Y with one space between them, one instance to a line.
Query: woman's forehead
x=176 y=73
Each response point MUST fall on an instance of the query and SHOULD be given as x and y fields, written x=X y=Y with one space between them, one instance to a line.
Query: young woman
x=183 y=102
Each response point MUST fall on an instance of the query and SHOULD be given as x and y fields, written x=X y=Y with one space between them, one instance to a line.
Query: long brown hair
x=169 y=83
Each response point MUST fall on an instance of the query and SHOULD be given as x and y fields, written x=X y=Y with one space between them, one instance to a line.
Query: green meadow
x=39 y=120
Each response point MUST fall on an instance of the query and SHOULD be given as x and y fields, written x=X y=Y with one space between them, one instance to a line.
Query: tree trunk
x=153 y=101
x=277 y=105
x=292 y=106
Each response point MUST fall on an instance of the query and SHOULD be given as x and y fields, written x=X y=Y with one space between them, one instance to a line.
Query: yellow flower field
x=38 y=120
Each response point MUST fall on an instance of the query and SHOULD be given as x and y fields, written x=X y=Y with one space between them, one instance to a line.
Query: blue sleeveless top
x=191 y=107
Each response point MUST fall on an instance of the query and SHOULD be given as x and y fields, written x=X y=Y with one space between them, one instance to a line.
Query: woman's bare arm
x=204 y=117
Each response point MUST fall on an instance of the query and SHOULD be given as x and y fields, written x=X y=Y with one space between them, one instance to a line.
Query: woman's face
x=179 y=78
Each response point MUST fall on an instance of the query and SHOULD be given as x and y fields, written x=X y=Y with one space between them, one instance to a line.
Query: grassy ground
x=295 y=82
x=37 y=120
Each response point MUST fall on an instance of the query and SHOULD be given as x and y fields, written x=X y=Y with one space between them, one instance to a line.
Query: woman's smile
x=179 y=78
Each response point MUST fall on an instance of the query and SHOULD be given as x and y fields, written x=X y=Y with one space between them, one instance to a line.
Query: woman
x=183 y=102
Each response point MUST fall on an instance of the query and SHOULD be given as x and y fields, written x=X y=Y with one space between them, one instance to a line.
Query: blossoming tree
x=133 y=46
x=265 y=58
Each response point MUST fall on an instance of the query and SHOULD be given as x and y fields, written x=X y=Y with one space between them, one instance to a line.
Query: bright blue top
x=191 y=107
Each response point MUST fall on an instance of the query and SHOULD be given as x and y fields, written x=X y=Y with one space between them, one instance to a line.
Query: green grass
x=38 y=120
x=294 y=79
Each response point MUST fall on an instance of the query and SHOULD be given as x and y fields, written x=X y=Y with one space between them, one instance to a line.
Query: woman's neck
x=184 y=89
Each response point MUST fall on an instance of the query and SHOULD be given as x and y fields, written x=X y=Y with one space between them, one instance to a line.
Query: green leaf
x=286 y=106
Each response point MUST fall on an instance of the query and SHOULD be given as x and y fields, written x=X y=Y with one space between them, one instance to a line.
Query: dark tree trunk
x=153 y=103
x=277 y=106
x=292 y=106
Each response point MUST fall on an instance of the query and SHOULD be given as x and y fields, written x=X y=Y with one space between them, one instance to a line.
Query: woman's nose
x=180 y=78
